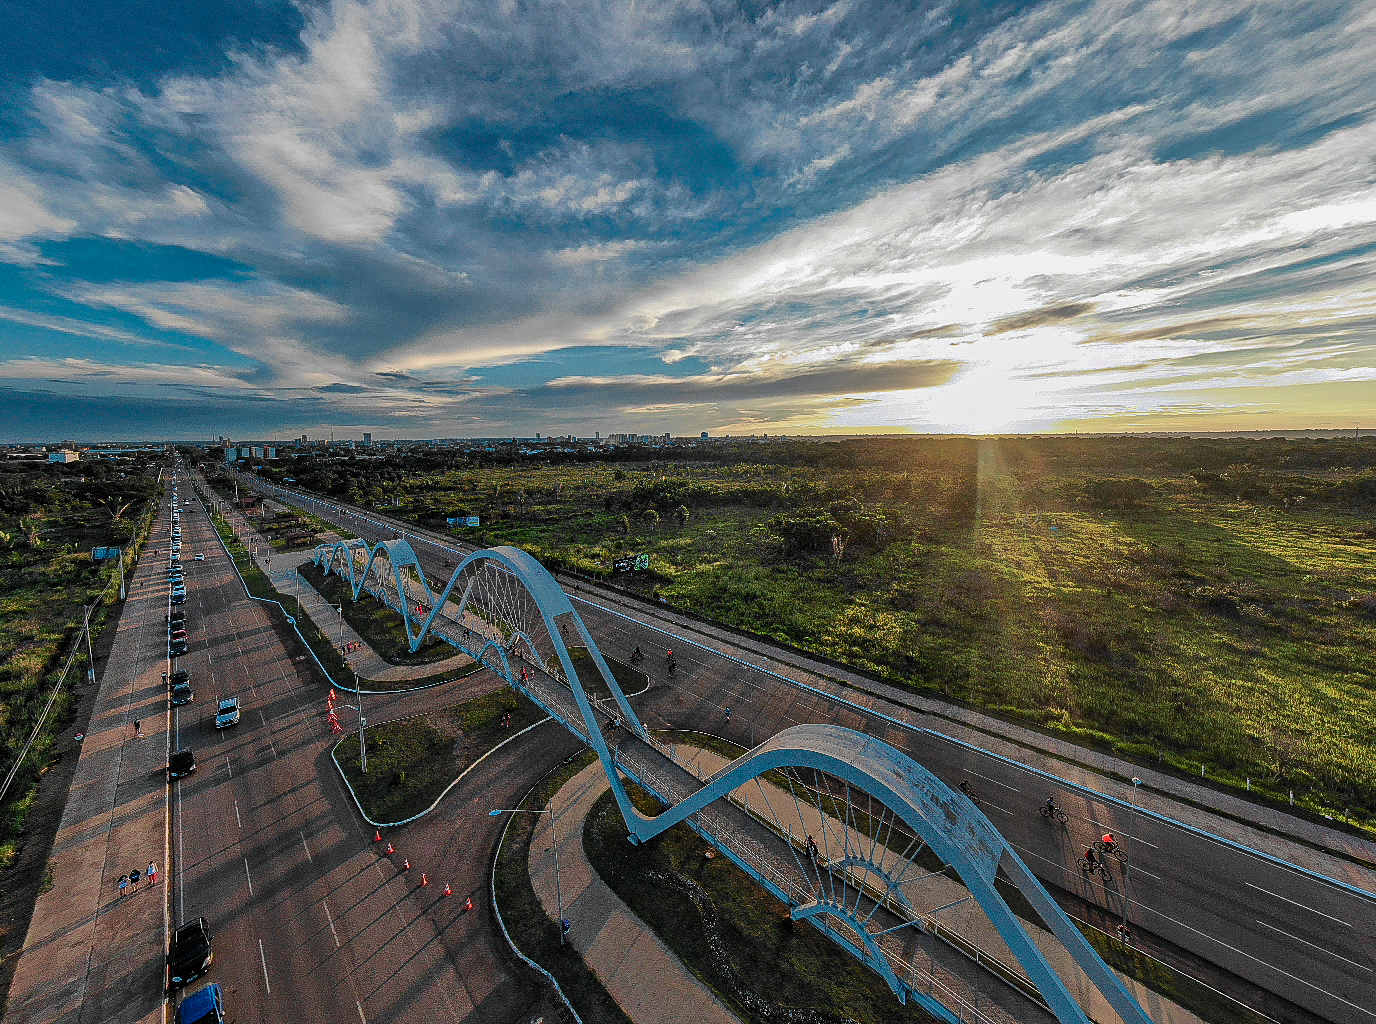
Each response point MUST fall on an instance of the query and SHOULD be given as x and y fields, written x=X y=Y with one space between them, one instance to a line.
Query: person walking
x=123 y=883
x=134 y=879
x=138 y=730
x=152 y=872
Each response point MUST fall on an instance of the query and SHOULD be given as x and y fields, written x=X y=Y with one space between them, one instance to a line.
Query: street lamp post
x=1135 y=783
x=558 y=890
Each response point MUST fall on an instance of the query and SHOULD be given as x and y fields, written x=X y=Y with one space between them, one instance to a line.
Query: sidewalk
x=641 y=973
x=92 y=955
x=366 y=662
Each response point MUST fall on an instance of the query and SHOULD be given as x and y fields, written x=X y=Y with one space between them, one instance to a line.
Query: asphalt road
x=311 y=921
x=1307 y=941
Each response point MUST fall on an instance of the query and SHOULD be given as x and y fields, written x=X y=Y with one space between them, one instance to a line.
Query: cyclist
x=1110 y=844
x=965 y=788
x=637 y=654
x=1089 y=862
x=1051 y=805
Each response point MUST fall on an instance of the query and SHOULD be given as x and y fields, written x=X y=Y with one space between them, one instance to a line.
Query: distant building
x=64 y=456
x=703 y=435
x=367 y=438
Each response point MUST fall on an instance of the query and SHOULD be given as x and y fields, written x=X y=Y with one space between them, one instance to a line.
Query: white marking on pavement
x=309 y=858
x=237 y=820
x=1292 y=902
x=983 y=803
x=1322 y=949
x=264 y=957
x=330 y=917
x=994 y=781
x=228 y=768
x=360 y=1012
x=1112 y=829
x=248 y=876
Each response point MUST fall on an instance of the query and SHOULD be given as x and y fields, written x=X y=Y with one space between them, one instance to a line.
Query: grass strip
x=411 y=761
x=530 y=928
x=380 y=627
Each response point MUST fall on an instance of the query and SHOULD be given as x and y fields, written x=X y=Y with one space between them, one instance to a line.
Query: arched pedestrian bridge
x=850 y=833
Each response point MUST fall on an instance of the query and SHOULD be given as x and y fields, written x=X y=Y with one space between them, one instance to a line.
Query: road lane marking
x=309 y=858
x=360 y=1012
x=228 y=768
x=330 y=917
x=1112 y=830
x=1293 y=903
x=237 y=820
x=264 y=957
x=1322 y=949
x=248 y=876
x=994 y=781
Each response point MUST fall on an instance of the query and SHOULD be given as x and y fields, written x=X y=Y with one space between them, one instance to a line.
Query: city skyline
x=423 y=221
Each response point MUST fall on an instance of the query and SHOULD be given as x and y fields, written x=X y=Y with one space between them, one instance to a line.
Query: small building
x=64 y=456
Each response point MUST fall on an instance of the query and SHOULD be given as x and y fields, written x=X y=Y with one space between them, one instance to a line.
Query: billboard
x=100 y=553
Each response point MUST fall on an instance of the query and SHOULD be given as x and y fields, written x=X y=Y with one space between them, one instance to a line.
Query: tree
x=682 y=515
x=651 y=518
x=626 y=525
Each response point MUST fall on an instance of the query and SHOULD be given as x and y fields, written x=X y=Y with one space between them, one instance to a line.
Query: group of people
x=131 y=880
x=349 y=648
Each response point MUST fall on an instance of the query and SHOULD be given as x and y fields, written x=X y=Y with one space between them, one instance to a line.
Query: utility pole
x=121 y=574
x=90 y=654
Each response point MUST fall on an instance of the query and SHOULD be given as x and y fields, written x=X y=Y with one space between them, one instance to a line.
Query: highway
x=311 y=922
x=1307 y=941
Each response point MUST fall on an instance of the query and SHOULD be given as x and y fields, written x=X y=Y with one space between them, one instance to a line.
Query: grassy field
x=412 y=760
x=1208 y=605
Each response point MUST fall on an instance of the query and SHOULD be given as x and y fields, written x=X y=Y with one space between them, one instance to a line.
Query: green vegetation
x=411 y=761
x=529 y=926
x=1206 y=605
x=381 y=628
x=631 y=680
x=729 y=930
x=51 y=516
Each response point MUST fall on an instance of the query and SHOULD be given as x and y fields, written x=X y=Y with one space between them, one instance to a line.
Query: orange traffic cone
x=468 y=903
x=377 y=835
x=423 y=880
x=391 y=848
x=406 y=864
x=448 y=891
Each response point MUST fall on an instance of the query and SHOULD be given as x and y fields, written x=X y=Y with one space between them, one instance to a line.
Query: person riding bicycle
x=1110 y=844
x=1051 y=805
x=1089 y=862
x=965 y=787
x=637 y=654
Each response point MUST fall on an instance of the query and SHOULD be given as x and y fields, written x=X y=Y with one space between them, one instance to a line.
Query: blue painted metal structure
x=943 y=818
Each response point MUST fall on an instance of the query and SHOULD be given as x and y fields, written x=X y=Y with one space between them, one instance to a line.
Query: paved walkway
x=641 y=973
x=92 y=954
x=366 y=662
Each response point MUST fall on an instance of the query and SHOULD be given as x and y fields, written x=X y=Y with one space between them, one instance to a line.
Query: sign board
x=470 y=521
x=97 y=554
x=462 y=521
x=453 y=520
x=632 y=563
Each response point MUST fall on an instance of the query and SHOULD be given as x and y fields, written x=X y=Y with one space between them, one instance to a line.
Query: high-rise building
x=367 y=438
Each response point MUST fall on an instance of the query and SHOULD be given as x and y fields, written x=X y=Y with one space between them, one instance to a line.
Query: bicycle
x=1116 y=850
x=1053 y=812
x=1097 y=868
x=965 y=788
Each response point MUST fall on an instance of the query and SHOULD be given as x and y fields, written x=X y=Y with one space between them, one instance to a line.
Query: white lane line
x=994 y=781
x=309 y=858
x=1114 y=830
x=271 y=745
x=1138 y=871
x=228 y=768
x=330 y=917
x=360 y=1012
x=237 y=820
x=1322 y=949
x=248 y=876
x=985 y=803
x=1306 y=906
x=264 y=957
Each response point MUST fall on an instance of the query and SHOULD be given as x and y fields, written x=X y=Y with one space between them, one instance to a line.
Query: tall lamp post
x=1135 y=783
x=558 y=891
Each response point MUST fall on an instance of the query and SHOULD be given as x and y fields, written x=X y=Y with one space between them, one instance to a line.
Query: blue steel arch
x=942 y=817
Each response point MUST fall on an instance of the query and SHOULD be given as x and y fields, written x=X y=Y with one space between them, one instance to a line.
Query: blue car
x=204 y=1006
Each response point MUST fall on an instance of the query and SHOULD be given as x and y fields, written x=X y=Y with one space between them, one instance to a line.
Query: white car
x=228 y=714
x=200 y=558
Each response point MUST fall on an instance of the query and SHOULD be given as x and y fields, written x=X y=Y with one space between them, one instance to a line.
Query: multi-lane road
x=1283 y=937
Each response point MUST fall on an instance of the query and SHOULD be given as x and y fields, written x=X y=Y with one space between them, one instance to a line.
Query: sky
x=260 y=219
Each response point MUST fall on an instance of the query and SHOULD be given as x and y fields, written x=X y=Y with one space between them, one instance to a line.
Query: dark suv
x=183 y=762
x=191 y=955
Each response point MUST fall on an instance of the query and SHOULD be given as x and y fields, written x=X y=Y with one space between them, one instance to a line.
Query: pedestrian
x=138 y=730
x=134 y=879
x=152 y=873
x=1125 y=934
x=123 y=883
x=728 y=714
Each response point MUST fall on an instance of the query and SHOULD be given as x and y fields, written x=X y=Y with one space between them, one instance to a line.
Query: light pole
x=341 y=624
x=1135 y=783
x=558 y=891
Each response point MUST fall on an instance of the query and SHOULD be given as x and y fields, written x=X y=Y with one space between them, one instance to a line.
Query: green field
x=1203 y=604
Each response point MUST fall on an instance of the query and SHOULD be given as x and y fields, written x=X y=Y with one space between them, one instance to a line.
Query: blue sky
x=432 y=219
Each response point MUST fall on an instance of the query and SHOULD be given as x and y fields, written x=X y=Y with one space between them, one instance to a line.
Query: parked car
x=182 y=694
x=200 y=558
x=181 y=764
x=177 y=648
x=228 y=714
x=179 y=676
x=204 y=1006
x=191 y=954
x=179 y=599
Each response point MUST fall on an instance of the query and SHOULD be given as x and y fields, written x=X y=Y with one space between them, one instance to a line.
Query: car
x=191 y=953
x=181 y=694
x=177 y=648
x=179 y=599
x=228 y=714
x=181 y=764
x=200 y=558
x=178 y=636
x=204 y=1006
x=179 y=676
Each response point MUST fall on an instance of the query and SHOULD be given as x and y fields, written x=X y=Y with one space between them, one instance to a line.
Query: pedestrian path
x=642 y=974
x=92 y=953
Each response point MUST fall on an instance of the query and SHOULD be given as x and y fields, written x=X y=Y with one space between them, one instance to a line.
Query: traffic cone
x=423 y=880
x=406 y=864
x=468 y=903
x=448 y=891
x=390 y=847
x=377 y=836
